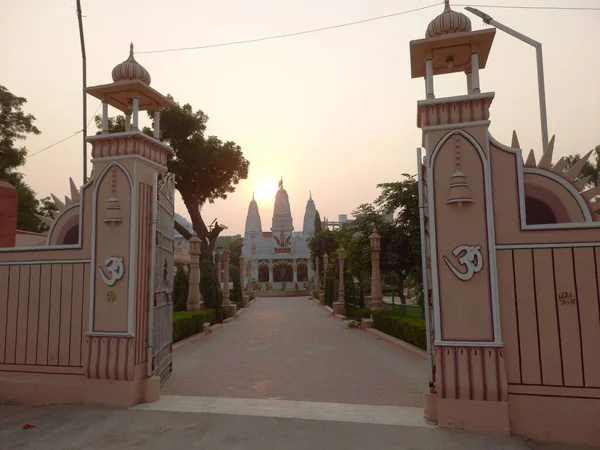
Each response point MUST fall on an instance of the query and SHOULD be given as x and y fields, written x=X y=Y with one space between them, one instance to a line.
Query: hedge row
x=357 y=314
x=188 y=323
x=403 y=327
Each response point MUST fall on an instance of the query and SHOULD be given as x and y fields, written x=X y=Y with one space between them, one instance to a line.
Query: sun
x=265 y=190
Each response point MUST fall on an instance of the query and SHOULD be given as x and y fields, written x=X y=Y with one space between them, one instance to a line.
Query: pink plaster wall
x=29 y=239
x=47 y=355
x=8 y=214
x=545 y=379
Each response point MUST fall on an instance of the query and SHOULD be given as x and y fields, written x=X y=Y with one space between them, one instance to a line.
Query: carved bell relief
x=113 y=213
x=459 y=192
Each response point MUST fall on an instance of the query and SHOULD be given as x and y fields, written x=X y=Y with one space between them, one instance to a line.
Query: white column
x=270 y=271
x=157 y=124
x=475 y=73
x=295 y=268
x=136 y=108
x=429 y=78
x=104 y=118
x=469 y=82
x=127 y=122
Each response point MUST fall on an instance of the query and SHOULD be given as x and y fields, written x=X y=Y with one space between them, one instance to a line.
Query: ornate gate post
x=470 y=389
x=339 y=307
x=228 y=308
x=128 y=351
x=194 y=300
x=249 y=275
x=242 y=287
x=376 y=291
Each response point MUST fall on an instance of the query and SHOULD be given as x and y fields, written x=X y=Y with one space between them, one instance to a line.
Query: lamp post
x=540 y=66
x=376 y=291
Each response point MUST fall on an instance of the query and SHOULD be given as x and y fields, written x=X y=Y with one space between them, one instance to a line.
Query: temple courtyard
x=284 y=375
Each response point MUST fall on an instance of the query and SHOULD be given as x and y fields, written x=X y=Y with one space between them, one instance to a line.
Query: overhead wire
x=332 y=27
x=541 y=8
x=66 y=138
x=298 y=33
x=358 y=22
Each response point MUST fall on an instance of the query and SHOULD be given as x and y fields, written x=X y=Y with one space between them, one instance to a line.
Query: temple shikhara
x=279 y=259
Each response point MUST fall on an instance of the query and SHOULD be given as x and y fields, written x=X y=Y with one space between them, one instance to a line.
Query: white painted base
x=333 y=412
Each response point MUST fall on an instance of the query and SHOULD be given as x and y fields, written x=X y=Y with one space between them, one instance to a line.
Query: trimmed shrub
x=403 y=327
x=357 y=314
x=188 y=323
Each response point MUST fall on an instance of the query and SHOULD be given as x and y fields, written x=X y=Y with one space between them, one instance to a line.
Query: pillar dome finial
x=130 y=69
x=448 y=22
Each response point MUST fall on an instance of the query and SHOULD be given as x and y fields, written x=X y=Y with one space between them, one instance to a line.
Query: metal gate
x=422 y=172
x=161 y=284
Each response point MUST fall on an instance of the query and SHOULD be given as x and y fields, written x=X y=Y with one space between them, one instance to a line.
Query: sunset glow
x=265 y=191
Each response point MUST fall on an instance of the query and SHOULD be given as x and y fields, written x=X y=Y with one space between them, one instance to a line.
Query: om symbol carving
x=471 y=259
x=115 y=268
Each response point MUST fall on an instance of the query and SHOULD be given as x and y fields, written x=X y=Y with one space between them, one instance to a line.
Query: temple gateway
x=279 y=259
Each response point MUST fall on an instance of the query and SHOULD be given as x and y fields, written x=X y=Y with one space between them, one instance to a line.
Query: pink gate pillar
x=470 y=378
x=75 y=311
x=125 y=168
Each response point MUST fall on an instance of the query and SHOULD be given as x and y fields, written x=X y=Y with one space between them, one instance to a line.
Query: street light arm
x=540 y=65
x=486 y=18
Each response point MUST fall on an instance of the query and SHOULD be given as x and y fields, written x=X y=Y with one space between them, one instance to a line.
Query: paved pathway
x=291 y=349
x=86 y=428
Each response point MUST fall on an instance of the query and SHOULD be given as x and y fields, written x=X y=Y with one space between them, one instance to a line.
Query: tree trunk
x=401 y=289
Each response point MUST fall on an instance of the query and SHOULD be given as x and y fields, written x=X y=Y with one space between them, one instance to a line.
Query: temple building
x=278 y=259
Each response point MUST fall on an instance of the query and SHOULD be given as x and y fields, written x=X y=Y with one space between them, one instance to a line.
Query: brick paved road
x=291 y=349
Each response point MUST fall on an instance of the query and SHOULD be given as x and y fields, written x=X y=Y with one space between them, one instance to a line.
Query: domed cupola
x=448 y=22
x=130 y=69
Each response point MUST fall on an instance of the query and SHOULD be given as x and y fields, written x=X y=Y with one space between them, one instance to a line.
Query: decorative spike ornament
x=47 y=220
x=573 y=172
x=60 y=205
x=546 y=159
x=531 y=160
x=75 y=197
x=591 y=193
x=515 y=140
x=582 y=182
x=559 y=166
x=67 y=201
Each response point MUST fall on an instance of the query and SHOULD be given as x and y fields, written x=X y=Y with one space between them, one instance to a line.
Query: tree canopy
x=394 y=214
x=16 y=125
x=205 y=167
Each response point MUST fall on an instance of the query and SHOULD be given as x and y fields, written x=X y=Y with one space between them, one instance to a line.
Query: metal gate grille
x=161 y=308
x=422 y=173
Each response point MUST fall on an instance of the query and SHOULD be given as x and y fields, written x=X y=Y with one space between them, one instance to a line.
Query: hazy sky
x=333 y=112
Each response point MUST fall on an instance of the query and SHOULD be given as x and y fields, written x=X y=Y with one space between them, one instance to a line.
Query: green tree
x=16 y=125
x=402 y=199
x=205 y=167
x=318 y=223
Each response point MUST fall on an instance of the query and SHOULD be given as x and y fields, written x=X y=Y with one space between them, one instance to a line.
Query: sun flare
x=265 y=190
